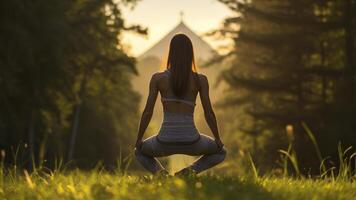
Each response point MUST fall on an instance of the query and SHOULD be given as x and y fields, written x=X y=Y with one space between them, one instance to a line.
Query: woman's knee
x=149 y=147
x=145 y=148
x=137 y=152
x=222 y=152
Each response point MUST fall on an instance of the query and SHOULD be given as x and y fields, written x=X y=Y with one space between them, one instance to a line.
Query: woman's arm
x=208 y=110
x=148 y=111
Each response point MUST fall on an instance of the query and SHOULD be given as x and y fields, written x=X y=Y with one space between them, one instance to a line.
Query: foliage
x=57 y=59
x=291 y=61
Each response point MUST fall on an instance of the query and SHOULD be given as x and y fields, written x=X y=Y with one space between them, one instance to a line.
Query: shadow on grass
x=225 y=188
x=211 y=187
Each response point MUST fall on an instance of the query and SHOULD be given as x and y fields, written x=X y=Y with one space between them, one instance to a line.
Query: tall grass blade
x=285 y=161
x=316 y=146
x=127 y=162
x=293 y=158
x=28 y=179
x=253 y=166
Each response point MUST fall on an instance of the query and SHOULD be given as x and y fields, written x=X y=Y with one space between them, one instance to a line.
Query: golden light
x=290 y=132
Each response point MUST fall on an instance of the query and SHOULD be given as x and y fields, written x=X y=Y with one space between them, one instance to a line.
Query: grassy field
x=103 y=185
x=333 y=183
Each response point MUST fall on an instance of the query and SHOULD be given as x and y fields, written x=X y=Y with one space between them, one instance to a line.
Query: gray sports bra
x=191 y=103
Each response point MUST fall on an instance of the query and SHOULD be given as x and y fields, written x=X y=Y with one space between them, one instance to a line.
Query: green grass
x=99 y=184
x=336 y=182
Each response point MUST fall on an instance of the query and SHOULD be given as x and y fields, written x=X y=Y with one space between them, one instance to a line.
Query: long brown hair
x=181 y=63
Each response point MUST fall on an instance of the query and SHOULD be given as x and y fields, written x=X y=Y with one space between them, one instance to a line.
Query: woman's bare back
x=159 y=83
x=166 y=92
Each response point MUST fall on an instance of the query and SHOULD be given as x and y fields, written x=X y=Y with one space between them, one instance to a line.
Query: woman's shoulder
x=202 y=77
x=159 y=75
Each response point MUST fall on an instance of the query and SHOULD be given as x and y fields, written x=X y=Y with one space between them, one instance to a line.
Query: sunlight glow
x=161 y=16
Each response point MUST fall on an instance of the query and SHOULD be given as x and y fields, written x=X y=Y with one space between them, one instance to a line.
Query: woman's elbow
x=147 y=113
x=209 y=113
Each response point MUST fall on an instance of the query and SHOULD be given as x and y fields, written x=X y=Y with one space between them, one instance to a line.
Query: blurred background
x=74 y=78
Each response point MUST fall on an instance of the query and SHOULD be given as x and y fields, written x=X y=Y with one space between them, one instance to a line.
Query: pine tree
x=284 y=70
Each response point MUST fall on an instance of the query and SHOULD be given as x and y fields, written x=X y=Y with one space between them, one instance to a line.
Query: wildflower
x=242 y=153
x=198 y=184
x=290 y=132
x=71 y=188
x=60 y=189
x=179 y=183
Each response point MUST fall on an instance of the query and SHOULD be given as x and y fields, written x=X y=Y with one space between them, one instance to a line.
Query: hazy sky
x=160 y=16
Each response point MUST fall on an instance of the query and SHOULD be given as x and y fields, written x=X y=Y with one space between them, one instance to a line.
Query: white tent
x=203 y=51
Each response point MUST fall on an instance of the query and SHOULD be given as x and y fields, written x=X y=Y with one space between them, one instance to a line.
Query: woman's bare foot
x=186 y=172
x=162 y=173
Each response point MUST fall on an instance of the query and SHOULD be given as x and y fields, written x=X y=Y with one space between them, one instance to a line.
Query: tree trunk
x=74 y=131
x=76 y=119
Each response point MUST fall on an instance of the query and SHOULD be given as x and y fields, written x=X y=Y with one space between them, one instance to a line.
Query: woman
x=178 y=86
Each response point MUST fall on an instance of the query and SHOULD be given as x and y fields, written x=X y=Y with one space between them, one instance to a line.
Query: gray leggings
x=204 y=147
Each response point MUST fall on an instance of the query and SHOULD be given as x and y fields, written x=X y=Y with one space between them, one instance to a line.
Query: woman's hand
x=138 y=143
x=219 y=143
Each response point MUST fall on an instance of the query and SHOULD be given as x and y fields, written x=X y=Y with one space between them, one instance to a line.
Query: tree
x=284 y=69
x=53 y=58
